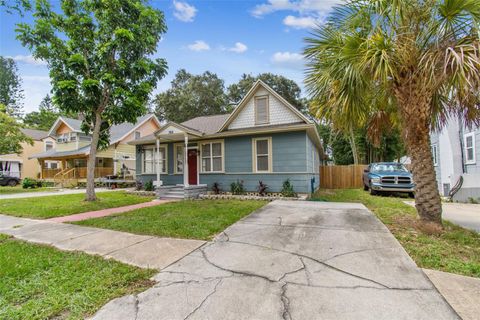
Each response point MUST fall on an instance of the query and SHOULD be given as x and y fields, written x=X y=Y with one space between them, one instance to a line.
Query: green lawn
x=62 y=205
x=19 y=189
x=195 y=219
x=40 y=282
x=453 y=249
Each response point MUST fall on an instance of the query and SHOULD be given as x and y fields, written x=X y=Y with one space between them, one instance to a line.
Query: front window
x=388 y=167
x=262 y=150
x=470 y=148
x=212 y=157
x=261 y=110
x=150 y=157
x=138 y=135
x=179 y=158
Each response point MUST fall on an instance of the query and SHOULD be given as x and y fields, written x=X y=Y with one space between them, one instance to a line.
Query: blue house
x=264 y=139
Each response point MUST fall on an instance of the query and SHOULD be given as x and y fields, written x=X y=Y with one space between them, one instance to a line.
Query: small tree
x=99 y=56
x=10 y=133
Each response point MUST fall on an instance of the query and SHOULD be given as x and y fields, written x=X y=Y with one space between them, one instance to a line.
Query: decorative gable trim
x=138 y=126
x=57 y=124
x=249 y=95
x=179 y=128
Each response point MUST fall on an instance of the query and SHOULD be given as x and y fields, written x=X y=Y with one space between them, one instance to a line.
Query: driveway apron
x=292 y=260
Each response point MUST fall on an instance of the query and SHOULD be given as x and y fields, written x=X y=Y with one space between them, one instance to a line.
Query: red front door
x=192 y=167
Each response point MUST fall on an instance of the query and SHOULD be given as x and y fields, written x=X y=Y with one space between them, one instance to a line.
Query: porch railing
x=50 y=173
x=79 y=173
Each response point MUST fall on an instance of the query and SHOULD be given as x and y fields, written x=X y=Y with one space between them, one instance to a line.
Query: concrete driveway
x=292 y=260
x=464 y=214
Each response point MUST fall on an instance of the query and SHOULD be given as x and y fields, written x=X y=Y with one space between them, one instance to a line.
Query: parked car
x=6 y=180
x=388 y=177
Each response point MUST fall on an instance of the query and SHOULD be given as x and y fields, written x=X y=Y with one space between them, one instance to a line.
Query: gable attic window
x=261 y=110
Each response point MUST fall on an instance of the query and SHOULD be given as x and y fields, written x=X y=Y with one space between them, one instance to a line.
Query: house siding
x=278 y=112
x=289 y=161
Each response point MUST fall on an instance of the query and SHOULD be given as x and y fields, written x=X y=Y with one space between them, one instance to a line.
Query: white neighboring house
x=456 y=153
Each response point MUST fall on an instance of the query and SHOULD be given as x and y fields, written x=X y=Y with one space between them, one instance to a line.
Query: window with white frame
x=261 y=110
x=48 y=145
x=212 y=156
x=179 y=158
x=150 y=160
x=138 y=135
x=469 y=148
x=434 y=154
x=262 y=154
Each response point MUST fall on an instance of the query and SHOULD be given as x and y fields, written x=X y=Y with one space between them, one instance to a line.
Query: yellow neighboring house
x=72 y=147
x=21 y=165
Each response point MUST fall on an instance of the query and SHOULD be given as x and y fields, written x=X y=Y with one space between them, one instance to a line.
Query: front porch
x=185 y=171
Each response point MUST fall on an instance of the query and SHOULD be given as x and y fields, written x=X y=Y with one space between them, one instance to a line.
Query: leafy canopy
x=11 y=93
x=191 y=96
x=45 y=117
x=287 y=88
x=99 y=54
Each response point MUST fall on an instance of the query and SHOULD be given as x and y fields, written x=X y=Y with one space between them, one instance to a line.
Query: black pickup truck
x=10 y=181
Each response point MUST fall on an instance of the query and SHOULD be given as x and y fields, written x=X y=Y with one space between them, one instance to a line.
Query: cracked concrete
x=292 y=260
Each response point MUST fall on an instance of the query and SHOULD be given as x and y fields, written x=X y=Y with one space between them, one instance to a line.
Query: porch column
x=159 y=183
x=185 y=162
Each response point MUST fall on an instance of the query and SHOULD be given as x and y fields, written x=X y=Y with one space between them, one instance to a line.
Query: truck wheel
x=373 y=192
x=411 y=195
x=12 y=183
x=365 y=187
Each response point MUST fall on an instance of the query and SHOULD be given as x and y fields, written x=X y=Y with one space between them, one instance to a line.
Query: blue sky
x=222 y=36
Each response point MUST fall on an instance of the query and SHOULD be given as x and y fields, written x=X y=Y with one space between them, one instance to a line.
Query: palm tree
x=417 y=61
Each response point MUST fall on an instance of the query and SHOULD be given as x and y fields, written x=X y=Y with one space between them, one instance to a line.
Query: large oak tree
x=99 y=53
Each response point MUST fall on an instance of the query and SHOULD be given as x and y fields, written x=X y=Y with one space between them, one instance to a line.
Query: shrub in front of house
x=149 y=185
x=29 y=183
x=237 y=187
x=287 y=189
x=216 y=188
x=262 y=189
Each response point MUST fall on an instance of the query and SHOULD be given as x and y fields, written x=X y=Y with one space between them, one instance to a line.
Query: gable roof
x=35 y=134
x=248 y=96
x=207 y=124
x=117 y=132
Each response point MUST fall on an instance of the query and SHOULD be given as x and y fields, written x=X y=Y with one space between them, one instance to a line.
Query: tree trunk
x=415 y=110
x=90 y=195
x=353 y=146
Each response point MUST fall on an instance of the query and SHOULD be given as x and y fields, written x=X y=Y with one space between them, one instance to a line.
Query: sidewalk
x=463 y=293
x=137 y=250
x=107 y=212
x=52 y=193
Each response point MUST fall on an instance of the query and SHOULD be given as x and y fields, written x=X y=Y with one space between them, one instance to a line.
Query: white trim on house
x=175 y=159
x=249 y=95
x=255 y=155
x=154 y=159
x=138 y=126
x=55 y=126
x=211 y=157
x=466 y=147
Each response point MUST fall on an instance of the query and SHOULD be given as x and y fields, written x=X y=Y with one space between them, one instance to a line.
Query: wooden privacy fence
x=341 y=177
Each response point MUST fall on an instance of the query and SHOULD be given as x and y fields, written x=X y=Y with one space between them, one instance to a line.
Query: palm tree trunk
x=90 y=194
x=415 y=112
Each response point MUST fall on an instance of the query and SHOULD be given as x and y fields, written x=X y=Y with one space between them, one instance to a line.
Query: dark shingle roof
x=35 y=134
x=207 y=124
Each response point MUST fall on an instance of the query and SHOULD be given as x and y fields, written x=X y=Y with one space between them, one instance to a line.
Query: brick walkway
x=107 y=212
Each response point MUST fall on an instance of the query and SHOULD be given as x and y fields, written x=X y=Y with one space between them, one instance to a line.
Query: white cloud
x=287 y=58
x=199 y=45
x=238 y=48
x=299 y=22
x=184 y=11
x=300 y=6
x=28 y=60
